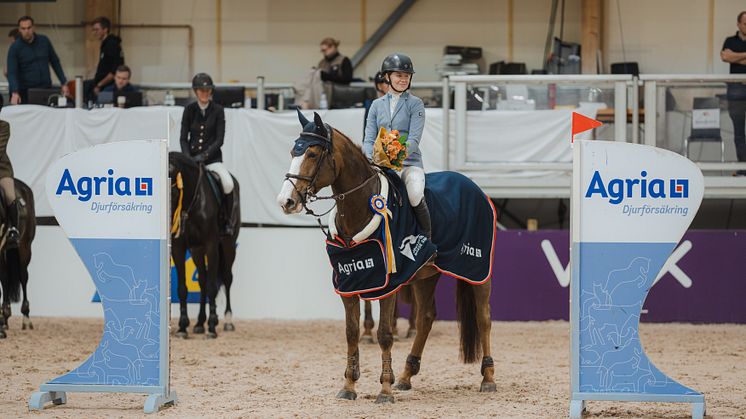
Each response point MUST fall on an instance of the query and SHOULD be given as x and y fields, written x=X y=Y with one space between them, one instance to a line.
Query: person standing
x=29 y=59
x=109 y=59
x=332 y=68
x=400 y=110
x=734 y=53
x=202 y=136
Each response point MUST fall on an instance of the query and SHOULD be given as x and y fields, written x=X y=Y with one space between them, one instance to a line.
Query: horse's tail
x=12 y=279
x=467 y=317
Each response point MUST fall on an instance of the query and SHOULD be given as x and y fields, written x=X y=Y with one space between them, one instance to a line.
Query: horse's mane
x=181 y=160
x=357 y=149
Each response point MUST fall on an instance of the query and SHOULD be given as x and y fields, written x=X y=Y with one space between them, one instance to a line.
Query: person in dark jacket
x=8 y=184
x=202 y=135
x=109 y=59
x=28 y=63
x=734 y=53
x=121 y=81
x=334 y=68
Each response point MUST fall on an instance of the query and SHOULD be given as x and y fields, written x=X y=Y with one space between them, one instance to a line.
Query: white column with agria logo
x=112 y=202
x=631 y=204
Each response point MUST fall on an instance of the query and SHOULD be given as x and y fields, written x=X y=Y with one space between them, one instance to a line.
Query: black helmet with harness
x=398 y=63
x=202 y=81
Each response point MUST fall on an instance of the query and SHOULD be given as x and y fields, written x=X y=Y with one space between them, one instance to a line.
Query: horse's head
x=312 y=167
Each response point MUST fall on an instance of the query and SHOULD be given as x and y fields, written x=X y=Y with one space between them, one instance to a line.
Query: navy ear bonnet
x=313 y=134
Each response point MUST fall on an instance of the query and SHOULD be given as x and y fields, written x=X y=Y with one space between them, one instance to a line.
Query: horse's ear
x=320 y=126
x=317 y=120
x=303 y=120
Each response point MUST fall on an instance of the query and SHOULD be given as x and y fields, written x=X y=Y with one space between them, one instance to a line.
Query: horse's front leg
x=386 y=341
x=352 y=330
x=198 y=256
x=25 y=309
x=178 y=253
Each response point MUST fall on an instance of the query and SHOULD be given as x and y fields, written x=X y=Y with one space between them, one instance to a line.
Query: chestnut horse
x=333 y=160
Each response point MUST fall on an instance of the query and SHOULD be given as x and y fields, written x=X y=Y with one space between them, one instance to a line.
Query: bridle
x=327 y=146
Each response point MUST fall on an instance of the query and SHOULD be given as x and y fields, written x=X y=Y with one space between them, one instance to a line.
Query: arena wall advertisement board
x=112 y=202
x=631 y=204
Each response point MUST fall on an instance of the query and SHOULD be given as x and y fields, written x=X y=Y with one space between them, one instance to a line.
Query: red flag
x=581 y=123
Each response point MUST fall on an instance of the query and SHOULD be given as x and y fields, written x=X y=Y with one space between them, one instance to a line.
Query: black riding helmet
x=397 y=62
x=379 y=79
x=202 y=81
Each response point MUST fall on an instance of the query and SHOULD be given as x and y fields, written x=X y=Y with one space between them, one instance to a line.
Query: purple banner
x=705 y=279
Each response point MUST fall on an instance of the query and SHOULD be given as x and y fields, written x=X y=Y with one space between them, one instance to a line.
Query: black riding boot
x=13 y=218
x=227 y=212
x=422 y=214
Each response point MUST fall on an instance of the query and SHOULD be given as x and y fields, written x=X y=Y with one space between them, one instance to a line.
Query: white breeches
x=226 y=181
x=414 y=178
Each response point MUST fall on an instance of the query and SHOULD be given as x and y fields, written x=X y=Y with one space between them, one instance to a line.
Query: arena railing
x=538 y=92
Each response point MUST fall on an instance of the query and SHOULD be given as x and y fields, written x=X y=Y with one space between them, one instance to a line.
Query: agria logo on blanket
x=86 y=187
x=616 y=190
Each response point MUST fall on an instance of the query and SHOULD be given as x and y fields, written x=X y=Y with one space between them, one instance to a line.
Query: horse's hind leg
x=213 y=261
x=424 y=296
x=199 y=261
x=484 y=323
x=352 y=331
x=228 y=255
x=368 y=324
x=386 y=341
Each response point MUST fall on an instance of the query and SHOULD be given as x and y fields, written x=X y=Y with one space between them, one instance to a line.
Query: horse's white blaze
x=288 y=190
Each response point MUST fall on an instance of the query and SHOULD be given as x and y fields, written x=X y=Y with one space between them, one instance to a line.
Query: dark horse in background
x=195 y=215
x=337 y=162
x=14 y=262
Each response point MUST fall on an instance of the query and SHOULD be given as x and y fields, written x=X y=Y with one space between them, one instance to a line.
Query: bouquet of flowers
x=390 y=149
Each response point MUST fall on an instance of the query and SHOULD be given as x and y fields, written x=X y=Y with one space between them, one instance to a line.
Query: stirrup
x=14 y=237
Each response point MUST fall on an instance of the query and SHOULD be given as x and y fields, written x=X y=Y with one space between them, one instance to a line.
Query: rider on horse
x=7 y=184
x=202 y=135
x=400 y=110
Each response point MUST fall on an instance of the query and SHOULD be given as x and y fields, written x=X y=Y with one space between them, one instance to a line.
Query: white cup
x=121 y=100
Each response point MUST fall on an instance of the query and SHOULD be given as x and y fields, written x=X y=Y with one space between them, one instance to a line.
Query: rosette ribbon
x=378 y=205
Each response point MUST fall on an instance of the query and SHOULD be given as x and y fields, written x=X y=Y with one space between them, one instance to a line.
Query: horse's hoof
x=347 y=395
x=211 y=335
x=488 y=388
x=181 y=334
x=199 y=330
x=229 y=327
x=411 y=333
x=23 y=326
x=403 y=386
x=384 y=398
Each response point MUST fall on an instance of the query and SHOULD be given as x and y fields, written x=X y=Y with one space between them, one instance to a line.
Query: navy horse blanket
x=463 y=222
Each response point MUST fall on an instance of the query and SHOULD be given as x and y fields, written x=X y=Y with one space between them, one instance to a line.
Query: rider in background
x=202 y=135
x=400 y=110
x=8 y=184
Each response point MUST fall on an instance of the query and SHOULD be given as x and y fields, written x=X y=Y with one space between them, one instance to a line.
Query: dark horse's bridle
x=327 y=146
